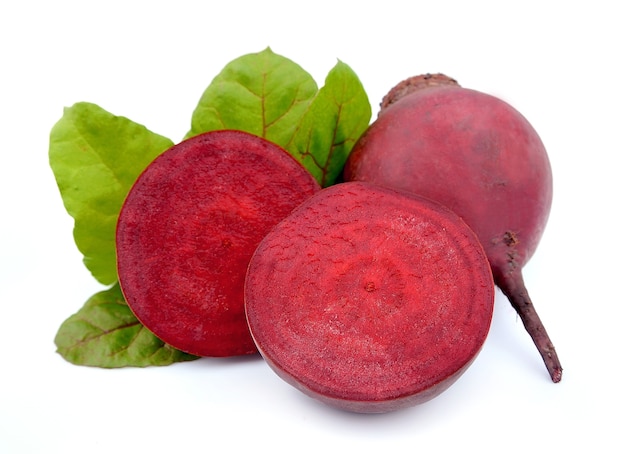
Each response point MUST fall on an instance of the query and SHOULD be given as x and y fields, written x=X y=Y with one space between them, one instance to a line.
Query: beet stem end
x=512 y=285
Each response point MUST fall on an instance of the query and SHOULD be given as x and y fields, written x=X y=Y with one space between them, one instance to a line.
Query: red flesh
x=188 y=229
x=478 y=156
x=368 y=299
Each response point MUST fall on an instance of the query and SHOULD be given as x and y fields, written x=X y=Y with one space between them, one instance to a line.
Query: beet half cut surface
x=369 y=299
x=188 y=228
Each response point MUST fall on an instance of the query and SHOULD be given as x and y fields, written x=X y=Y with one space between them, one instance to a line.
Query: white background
x=560 y=63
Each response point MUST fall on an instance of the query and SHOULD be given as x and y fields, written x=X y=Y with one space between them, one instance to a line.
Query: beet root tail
x=513 y=287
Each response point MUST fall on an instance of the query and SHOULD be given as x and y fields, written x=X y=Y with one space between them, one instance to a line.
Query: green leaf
x=105 y=333
x=96 y=157
x=334 y=121
x=262 y=93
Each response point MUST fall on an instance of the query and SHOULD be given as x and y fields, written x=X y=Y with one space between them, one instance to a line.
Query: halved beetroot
x=369 y=299
x=188 y=228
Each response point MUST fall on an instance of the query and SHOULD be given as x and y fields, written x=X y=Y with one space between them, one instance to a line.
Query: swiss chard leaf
x=96 y=157
x=105 y=333
x=335 y=119
x=263 y=93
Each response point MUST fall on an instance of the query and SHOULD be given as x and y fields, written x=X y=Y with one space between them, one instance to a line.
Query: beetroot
x=478 y=156
x=369 y=299
x=188 y=228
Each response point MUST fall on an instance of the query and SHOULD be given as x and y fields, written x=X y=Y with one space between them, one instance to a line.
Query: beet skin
x=369 y=299
x=188 y=229
x=478 y=156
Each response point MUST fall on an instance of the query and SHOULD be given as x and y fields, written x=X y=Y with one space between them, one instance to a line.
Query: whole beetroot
x=480 y=157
